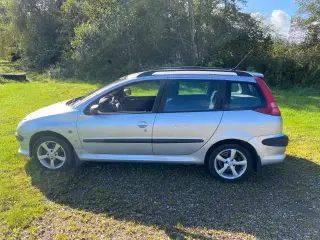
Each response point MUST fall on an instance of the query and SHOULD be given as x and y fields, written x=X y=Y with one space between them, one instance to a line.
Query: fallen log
x=15 y=77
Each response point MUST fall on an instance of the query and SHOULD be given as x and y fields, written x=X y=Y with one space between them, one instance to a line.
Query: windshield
x=76 y=101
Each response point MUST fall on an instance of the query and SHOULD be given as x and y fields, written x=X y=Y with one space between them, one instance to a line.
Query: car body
x=173 y=116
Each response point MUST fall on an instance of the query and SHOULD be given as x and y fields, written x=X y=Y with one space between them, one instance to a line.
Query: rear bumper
x=279 y=141
x=271 y=149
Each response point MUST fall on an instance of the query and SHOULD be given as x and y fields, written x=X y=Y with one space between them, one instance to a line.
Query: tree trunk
x=192 y=32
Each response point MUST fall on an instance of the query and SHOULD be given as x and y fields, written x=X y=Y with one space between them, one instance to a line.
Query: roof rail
x=190 y=68
x=193 y=68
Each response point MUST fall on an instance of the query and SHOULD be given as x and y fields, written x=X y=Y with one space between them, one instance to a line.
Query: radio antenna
x=243 y=59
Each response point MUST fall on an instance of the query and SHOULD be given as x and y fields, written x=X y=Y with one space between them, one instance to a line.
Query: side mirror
x=94 y=110
x=127 y=91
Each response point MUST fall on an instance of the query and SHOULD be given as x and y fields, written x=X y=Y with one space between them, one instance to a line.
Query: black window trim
x=156 y=104
x=222 y=100
x=219 y=100
x=228 y=97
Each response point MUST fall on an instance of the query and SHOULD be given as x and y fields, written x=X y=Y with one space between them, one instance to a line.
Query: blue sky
x=266 y=7
x=274 y=13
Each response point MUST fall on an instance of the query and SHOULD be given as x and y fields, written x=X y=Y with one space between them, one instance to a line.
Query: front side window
x=134 y=98
x=190 y=95
x=244 y=96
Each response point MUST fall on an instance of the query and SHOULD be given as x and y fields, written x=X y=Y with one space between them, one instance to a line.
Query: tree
x=110 y=38
x=10 y=37
x=308 y=18
x=192 y=31
x=35 y=28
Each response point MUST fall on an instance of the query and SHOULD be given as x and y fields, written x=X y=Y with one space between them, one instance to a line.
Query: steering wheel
x=109 y=103
x=115 y=103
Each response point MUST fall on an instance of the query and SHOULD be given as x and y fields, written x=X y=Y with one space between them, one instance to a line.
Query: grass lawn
x=157 y=201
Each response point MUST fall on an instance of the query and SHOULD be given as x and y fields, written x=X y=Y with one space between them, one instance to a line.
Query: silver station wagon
x=225 y=119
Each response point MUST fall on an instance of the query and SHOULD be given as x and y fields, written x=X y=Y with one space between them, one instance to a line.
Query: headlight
x=18 y=137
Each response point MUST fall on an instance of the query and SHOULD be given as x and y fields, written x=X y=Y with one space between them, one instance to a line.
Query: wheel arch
x=38 y=135
x=255 y=157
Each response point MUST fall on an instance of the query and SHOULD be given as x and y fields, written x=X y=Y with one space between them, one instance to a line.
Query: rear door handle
x=142 y=124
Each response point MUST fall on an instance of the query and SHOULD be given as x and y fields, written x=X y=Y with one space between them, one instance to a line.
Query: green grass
x=19 y=201
x=157 y=201
x=301 y=113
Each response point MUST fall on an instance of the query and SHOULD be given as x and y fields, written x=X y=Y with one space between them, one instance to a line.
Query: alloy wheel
x=230 y=164
x=51 y=155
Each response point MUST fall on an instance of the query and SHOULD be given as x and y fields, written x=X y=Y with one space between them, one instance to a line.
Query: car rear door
x=188 y=116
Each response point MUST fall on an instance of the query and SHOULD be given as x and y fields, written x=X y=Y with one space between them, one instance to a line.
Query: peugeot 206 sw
x=225 y=119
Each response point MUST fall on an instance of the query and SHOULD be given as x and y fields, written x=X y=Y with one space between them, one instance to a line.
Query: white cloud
x=279 y=26
x=281 y=23
x=264 y=23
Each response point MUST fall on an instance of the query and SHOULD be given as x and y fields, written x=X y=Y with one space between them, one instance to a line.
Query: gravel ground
x=157 y=201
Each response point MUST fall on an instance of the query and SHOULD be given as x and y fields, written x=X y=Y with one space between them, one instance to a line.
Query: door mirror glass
x=127 y=91
x=94 y=110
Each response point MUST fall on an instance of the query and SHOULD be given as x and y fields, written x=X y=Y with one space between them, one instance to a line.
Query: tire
x=53 y=153
x=227 y=169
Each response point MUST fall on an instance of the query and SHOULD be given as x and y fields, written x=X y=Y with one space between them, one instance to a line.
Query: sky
x=276 y=12
x=266 y=7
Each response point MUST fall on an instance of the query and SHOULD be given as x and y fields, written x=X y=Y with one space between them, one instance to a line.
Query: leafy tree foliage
x=293 y=63
x=139 y=34
x=10 y=39
x=109 y=38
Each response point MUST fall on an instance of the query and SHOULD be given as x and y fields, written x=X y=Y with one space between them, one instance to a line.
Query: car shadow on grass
x=281 y=201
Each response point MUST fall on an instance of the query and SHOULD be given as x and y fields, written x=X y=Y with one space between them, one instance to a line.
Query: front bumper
x=271 y=149
x=19 y=137
x=24 y=145
x=23 y=152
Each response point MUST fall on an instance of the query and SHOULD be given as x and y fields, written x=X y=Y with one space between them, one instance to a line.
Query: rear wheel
x=230 y=163
x=53 y=153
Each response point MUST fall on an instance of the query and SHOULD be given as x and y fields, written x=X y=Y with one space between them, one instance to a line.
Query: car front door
x=128 y=131
x=188 y=116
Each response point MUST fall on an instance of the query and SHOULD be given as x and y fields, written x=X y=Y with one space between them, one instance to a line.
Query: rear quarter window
x=244 y=96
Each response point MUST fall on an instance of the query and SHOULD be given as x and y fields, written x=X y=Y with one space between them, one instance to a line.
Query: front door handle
x=142 y=124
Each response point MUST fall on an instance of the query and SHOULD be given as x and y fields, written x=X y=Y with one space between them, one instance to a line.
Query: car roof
x=178 y=72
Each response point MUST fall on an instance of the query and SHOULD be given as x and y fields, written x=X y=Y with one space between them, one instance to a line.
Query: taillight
x=272 y=107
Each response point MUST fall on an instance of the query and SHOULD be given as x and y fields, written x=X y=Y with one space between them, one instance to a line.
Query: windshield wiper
x=73 y=101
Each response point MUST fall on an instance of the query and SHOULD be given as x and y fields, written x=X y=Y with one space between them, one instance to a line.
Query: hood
x=55 y=109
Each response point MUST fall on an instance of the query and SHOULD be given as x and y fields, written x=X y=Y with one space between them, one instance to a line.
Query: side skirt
x=181 y=159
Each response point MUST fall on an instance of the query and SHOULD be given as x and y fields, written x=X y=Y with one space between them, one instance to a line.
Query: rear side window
x=244 y=96
x=193 y=87
x=190 y=95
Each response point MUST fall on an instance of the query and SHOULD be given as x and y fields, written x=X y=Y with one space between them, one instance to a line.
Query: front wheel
x=230 y=163
x=53 y=153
